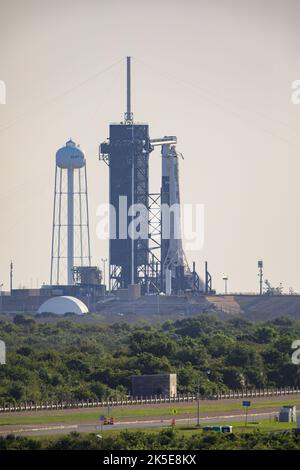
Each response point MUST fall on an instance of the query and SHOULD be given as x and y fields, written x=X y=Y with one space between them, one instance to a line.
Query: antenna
x=128 y=114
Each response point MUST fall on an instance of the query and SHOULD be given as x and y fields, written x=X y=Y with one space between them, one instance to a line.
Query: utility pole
x=128 y=114
x=103 y=261
x=260 y=274
x=1 y=285
x=108 y=406
x=11 y=275
x=198 y=404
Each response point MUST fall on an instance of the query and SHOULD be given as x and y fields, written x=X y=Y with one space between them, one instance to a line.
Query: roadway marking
x=49 y=428
x=123 y=423
x=201 y=418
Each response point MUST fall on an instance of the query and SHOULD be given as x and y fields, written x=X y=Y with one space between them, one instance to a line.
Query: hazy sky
x=216 y=73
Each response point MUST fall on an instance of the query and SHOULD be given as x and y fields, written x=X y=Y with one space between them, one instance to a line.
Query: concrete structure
x=29 y=300
x=288 y=414
x=133 y=292
x=151 y=385
x=2 y=352
x=62 y=305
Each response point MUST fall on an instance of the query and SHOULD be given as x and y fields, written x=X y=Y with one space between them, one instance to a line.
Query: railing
x=63 y=405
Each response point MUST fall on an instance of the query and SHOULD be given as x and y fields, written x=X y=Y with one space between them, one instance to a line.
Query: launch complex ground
x=157 y=308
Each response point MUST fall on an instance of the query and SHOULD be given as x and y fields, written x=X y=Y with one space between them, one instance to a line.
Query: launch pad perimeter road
x=260 y=419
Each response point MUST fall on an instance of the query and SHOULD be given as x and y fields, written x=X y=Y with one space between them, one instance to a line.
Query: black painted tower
x=127 y=153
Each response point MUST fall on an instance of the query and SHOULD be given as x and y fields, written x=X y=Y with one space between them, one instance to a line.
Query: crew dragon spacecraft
x=158 y=261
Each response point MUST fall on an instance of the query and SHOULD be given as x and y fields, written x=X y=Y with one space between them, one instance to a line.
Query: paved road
x=64 y=428
x=91 y=425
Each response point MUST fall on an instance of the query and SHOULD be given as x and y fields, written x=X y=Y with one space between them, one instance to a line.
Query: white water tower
x=70 y=232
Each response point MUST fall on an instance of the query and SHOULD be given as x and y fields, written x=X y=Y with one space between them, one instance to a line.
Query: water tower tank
x=70 y=213
x=70 y=156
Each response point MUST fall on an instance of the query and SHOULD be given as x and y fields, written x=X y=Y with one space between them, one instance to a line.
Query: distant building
x=151 y=385
x=29 y=300
x=2 y=352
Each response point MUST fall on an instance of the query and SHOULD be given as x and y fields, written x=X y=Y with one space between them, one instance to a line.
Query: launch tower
x=156 y=263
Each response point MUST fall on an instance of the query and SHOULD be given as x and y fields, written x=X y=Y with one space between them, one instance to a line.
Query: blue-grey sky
x=216 y=73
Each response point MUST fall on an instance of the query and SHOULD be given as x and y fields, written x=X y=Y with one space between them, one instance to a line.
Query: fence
x=63 y=405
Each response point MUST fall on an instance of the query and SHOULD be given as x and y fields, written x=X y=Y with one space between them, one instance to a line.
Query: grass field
x=142 y=412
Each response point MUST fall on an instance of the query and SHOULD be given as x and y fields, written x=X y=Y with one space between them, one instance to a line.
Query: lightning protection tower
x=70 y=232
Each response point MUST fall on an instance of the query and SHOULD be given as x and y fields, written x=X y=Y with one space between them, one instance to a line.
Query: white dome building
x=63 y=304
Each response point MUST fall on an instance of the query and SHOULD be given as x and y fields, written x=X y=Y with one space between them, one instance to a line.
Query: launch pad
x=147 y=256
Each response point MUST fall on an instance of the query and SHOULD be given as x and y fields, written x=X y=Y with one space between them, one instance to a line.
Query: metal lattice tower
x=70 y=231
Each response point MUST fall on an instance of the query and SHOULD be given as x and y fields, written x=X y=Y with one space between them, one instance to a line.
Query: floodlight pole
x=1 y=285
x=198 y=405
x=246 y=419
x=103 y=261
x=260 y=274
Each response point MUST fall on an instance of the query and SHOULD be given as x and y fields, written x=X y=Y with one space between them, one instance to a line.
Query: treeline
x=167 y=439
x=68 y=360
